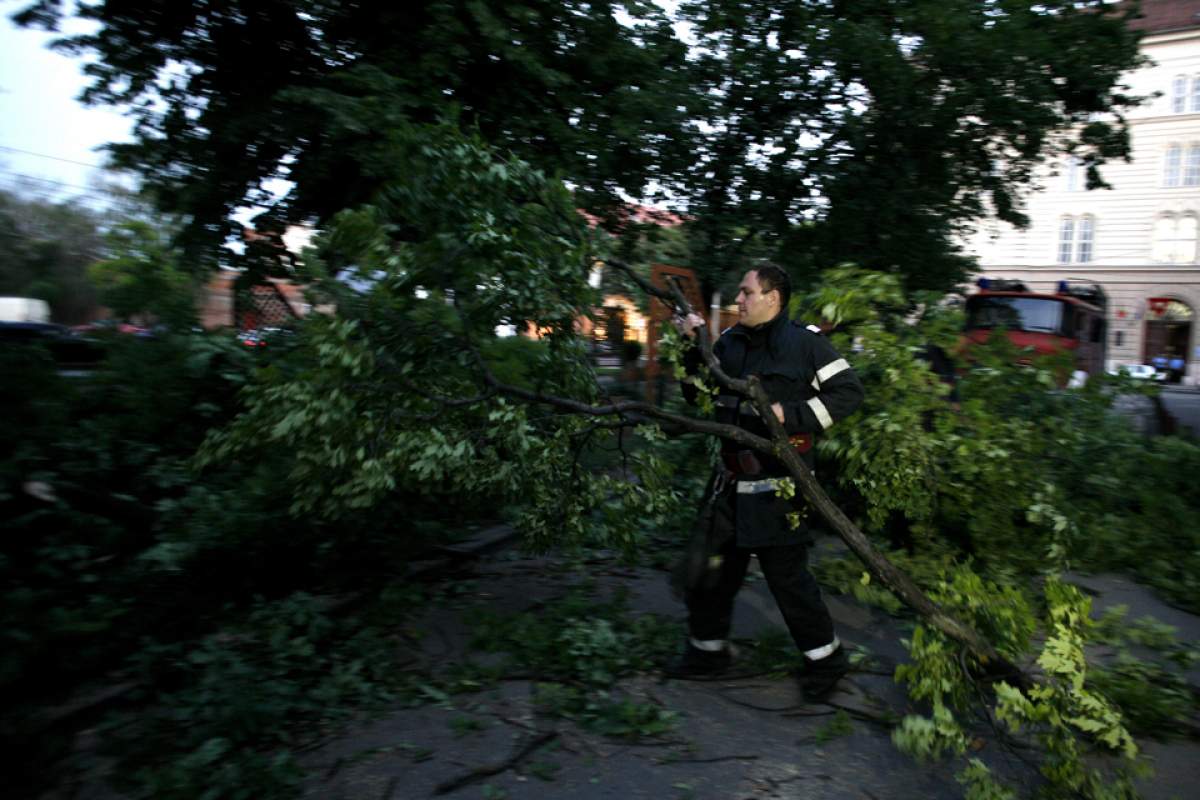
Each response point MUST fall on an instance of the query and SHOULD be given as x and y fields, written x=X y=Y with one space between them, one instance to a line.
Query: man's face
x=754 y=307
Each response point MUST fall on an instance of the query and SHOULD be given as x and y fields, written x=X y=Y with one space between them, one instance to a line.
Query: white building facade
x=1139 y=239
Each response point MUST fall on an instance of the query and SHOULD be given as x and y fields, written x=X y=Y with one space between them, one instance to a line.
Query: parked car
x=74 y=354
x=1142 y=372
x=113 y=326
x=261 y=337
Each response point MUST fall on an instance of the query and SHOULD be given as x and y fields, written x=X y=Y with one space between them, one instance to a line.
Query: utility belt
x=747 y=463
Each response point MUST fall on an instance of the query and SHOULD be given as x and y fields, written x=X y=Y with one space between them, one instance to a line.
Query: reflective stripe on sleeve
x=756 y=487
x=822 y=413
x=832 y=368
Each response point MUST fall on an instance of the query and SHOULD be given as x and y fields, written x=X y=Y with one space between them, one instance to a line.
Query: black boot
x=697 y=664
x=821 y=675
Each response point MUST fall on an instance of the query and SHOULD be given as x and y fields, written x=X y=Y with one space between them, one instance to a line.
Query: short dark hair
x=772 y=278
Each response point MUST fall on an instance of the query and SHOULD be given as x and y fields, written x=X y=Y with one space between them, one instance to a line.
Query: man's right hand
x=688 y=325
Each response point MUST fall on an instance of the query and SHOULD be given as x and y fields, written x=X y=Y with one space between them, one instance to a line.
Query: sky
x=48 y=139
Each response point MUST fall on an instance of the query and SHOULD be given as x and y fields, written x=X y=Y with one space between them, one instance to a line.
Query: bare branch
x=679 y=303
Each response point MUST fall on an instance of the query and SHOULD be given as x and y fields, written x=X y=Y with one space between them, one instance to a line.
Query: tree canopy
x=45 y=250
x=812 y=132
x=891 y=124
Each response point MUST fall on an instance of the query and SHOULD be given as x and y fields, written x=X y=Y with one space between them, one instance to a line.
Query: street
x=1183 y=403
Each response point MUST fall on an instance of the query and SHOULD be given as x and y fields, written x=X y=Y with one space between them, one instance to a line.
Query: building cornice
x=1128 y=273
x=1168 y=37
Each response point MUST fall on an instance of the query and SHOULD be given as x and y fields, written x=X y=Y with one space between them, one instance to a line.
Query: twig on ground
x=773 y=710
x=808 y=713
x=713 y=760
x=879 y=719
x=487 y=771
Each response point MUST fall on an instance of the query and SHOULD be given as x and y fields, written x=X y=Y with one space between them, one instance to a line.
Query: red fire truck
x=1071 y=319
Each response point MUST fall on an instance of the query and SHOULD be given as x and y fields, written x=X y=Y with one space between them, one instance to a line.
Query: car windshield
x=1037 y=314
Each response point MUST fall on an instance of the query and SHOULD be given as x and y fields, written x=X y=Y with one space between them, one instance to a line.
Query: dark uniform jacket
x=801 y=371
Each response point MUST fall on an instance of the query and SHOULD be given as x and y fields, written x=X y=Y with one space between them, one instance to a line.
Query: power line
x=52 y=158
x=40 y=179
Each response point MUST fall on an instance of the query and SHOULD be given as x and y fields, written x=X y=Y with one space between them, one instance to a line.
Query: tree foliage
x=141 y=275
x=892 y=124
x=242 y=91
x=391 y=395
x=987 y=500
x=45 y=250
x=814 y=132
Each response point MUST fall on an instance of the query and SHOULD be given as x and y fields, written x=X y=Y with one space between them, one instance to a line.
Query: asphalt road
x=1184 y=405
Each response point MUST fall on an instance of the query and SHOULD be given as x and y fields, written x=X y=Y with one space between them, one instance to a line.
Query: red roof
x=640 y=215
x=1163 y=16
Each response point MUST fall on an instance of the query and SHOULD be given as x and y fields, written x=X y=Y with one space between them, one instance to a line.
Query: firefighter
x=811 y=387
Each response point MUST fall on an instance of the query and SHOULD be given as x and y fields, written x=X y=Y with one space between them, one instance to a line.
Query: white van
x=24 y=309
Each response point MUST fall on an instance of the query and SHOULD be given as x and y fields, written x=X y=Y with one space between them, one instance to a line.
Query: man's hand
x=687 y=325
x=778 y=409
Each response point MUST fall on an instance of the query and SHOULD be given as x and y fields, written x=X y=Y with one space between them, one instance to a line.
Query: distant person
x=942 y=365
x=1176 y=367
x=811 y=387
x=631 y=376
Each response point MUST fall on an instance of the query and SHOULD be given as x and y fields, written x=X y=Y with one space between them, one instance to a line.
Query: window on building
x=1179 y=97
x=1074 y=174
x=1084 y=233
x=1194 y=103
x=1076 y=239
x=1175 y=238
x=1120 y=338
x=1191 y=168
x=1066 y=239
x=1172 y=166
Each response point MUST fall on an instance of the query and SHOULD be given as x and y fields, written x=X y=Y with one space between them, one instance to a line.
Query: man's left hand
x=778 y=409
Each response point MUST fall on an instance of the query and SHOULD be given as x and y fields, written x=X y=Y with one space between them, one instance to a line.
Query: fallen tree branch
x=778 y=446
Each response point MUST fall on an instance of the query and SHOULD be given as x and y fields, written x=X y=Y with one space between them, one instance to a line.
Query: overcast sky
x=48 y=140
x=44 y=129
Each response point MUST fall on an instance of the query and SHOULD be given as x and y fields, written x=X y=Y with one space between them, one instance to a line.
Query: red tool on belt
x=745 y=462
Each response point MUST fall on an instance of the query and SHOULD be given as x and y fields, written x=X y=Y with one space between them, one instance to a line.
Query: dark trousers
x=710 y=605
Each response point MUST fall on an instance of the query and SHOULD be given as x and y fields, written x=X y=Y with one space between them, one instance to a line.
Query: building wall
x=1124 y=259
